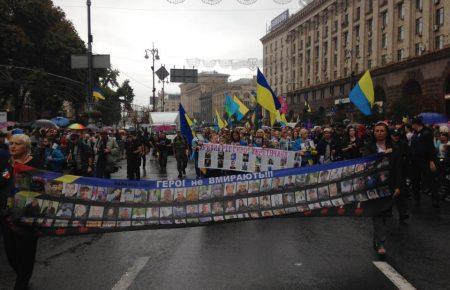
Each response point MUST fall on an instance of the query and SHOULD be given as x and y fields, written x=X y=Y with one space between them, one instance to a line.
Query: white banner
x=246 y=159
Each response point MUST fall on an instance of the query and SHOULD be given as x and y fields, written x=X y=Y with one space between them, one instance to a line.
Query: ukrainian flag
x=221 y=123
x=230 y=106
x=185 y=124
x=265 y=95
x=363 y=94
x=97 y=93
x=242 y=108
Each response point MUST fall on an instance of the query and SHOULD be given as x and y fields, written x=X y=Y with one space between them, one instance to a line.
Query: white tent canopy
x=163 y=118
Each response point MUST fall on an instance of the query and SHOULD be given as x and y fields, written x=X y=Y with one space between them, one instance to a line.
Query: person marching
x=180 y=151
x=133 y=149
x=163 y=146
x=107 y=152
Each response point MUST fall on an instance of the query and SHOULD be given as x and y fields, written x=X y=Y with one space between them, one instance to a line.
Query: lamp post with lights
x=155 y=56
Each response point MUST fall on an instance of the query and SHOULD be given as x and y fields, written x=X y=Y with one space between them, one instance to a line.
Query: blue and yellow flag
x=221 y=123
x=185 y=124
x=242 y=108
x=98 y=94
x=363 y=94
x=265 y=95
x=230 y=106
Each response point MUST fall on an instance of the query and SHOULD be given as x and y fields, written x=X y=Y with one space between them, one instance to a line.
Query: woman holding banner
x=20 y=243
x=382 y=144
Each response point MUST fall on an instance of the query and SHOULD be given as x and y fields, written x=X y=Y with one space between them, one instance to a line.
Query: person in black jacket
x=328 y=149
x=423 y=157
x=383 y=145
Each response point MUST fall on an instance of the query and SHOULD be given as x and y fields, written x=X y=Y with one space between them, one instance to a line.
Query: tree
x=36 y=34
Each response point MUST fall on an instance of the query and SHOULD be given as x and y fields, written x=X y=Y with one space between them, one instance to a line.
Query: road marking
x=129 y=276
x=394 y=276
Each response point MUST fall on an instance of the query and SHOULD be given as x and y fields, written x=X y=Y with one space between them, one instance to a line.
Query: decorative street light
x=163 y=93
x=155 y=55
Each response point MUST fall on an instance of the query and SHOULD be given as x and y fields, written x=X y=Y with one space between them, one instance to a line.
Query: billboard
x=277 y=21
x=183 y=75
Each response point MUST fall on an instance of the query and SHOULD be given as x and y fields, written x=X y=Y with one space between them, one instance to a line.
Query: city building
x=319 y=53
x=202 y=99
x=169 y=103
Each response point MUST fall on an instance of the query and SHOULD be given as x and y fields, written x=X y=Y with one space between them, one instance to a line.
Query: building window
x=309 y=41
x=383 y=59
x=357 y=51
x=317 y=35
x=439 y=42
x=369 y=46
x=384 y=40
x=400 y=54
x=440 y=16
x=419 y=5
x=345 y=38
x=419 y=26
x=357 y=32
x=317 y=51
x=401 y=11
x=369 y=6
x=369 y=27
x=335 y=27
x=325 y=32
x=335 y=60
x=331 y=91
x=384 y=18
x=358 y=13
x=369 y=64
x=418 y=48
x=401 y=33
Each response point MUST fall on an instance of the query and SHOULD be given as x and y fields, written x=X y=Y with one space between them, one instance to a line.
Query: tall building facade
x=319 y=53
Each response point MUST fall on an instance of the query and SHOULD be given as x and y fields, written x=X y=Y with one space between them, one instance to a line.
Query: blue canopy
x=61 y=121
x=433 y=118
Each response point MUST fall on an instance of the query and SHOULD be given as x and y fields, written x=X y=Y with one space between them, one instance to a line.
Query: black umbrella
x=44 y=123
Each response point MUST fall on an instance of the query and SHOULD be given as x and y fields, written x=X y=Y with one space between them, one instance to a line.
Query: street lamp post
x=163 y=93
x=155 y=55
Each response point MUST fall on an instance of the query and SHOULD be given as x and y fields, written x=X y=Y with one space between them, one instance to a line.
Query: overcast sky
x=124 y=29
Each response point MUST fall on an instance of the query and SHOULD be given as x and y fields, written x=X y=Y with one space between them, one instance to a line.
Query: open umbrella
x=61 y=121
x=433 y=118
x=92 y=127
x=77 y=126
x=44 y=123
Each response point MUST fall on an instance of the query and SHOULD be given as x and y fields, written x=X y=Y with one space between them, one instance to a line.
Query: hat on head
x=396 y=132
x=417 y=120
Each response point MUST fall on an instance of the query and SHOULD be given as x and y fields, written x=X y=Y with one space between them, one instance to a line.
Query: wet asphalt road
x=301 y=253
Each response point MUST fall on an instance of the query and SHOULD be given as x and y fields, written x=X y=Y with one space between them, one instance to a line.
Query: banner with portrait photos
x=54 y=204
x=246 y=159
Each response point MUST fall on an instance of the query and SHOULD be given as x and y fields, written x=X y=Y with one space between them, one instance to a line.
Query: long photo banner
x=53 y=204
x=246 y=159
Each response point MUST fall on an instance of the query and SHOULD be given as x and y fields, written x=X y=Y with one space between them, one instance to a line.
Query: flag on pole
x=242 y=108
x=230 y=106
x=363 y=94
x=265 y=95
x=98 y=94
x=221 y=123
x=185 y=124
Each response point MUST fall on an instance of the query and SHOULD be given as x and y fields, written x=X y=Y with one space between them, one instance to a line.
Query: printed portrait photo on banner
x=279 y=211
x=229 y=189
x=303 y=208
x=32 y=207
x=346 y=186
x=254 y=186
x=192 y=210
x=348 y=199
x=361 y=197
x=70 y=190
x=252 y=203
x=180 y=221
x=127 y=195
x=114 y=194
x=111 y=213
x=371 y=181
x=165 y=212
x=217 y=207
x=192 y=193
x=333 y=189
x=154 y=195
x=241 y=204
x=242 y=188
x=277 y=200
x=266 y=184
x=124 y=213
x=264 y=201
x=205 y=192
x=85 y=192
x=289 y=182
x=326 y=203
x=277 y=183
x=348 y=170
x=217 y=191
x=311 y=194
x=300 y=180
x=335 y=173
x=138 y=213
x=300 y=196
x=372 y=194
x=180 y=194
x=230 y=206
x=313 y=206
x=49 y=208
x=255 y=214
x=140 y=195
x=358 y=184
x=179 y=211
x=108 y=224
x=80 y=211
x=312 y=178
x=65 y=210
x=324 y=176
x=288 y=199
x=323 y=192
x=359 y=168
x=205 y=209
x=96 y=212
x=205 y=219
x=99 y=193
x=167 y=195
x=337 y=202
x=266 y=213
x=152 y=213
x=54 y=188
